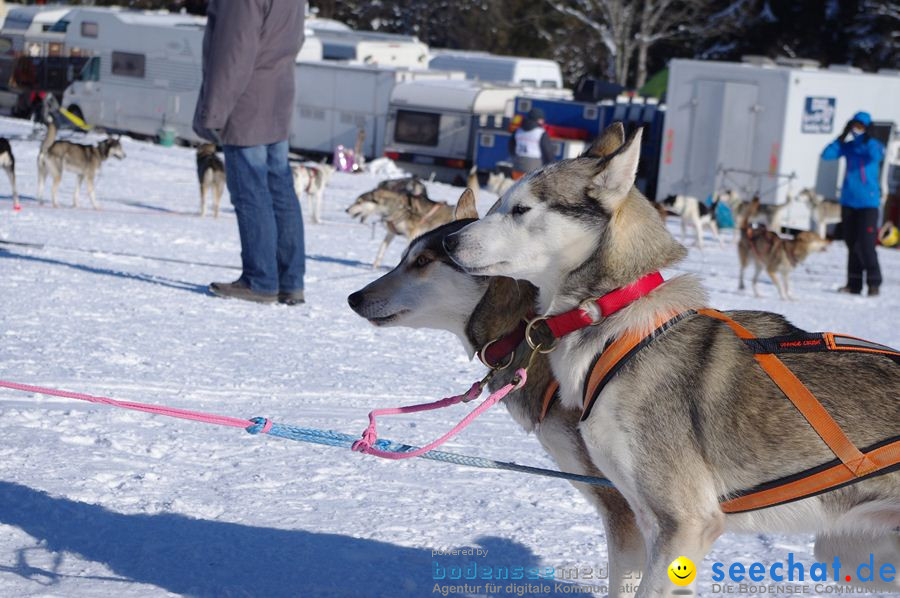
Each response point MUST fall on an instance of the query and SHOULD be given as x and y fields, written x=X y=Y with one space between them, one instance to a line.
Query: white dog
x=310 y=180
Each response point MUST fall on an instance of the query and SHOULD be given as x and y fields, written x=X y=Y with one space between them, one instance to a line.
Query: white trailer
x=481 y=66
x=762 y=128
x=371 y=47
x=144 y=73
x=431 y=125
x=334 y=101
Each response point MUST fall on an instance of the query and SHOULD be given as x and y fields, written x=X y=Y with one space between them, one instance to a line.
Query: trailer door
x=722 y=135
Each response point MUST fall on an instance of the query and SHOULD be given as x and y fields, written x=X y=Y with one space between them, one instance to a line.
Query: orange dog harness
x=852 y=464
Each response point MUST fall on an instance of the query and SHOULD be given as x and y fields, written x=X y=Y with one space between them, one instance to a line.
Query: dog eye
x=422 y=261
x=519 y=210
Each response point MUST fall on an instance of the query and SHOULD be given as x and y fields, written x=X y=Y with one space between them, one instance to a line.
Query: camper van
x=431 y=125
x=335 y=101
x=34 y=59
x=761 y=128
x=371 y=47
x=144 y=70
x=481 y=66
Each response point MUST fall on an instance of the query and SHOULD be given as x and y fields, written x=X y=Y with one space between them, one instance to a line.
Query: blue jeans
x=270 y=224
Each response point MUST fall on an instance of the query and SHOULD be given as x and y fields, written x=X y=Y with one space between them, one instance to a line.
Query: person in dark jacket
x=245 y=105
x=530 y=146
x=860 y=200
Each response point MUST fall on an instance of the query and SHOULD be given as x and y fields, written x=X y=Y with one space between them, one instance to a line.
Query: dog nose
x=355 y=299
x=451 y=242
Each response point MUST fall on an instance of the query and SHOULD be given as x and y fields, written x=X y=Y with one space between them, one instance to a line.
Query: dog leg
x=12 y=183
x=690 y=536
x=92 y=193
x=856 y=549
x=698 y=228
x=384 y=245
x=742 y=260
x=773 y=274
x=787 y=286
x=77 y=190
x=202 y=201
x=57 y=178
x=625 y=552
x=756 y=279
x=217 y=199
x=317 y=214
x=683 y=231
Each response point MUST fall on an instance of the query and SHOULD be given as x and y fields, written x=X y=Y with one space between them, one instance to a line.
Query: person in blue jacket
x=860 y=201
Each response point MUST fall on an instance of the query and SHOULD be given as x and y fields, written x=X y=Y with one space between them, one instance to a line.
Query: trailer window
x=126 y=64
x=89 y=29
x=419 y=128
x=528 y=82
x=546 y=83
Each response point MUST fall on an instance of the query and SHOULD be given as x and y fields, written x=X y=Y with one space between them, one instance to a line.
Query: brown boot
x=240 y=290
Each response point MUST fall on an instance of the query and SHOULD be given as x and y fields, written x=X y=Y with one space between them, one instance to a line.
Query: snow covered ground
x=96 y=501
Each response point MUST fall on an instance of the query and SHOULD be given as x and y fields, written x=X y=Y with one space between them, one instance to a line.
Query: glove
x=846 y=133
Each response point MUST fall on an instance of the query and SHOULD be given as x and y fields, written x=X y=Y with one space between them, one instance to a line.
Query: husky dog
x=776 y=254
x=498 y=183
x=428 y=290
x=824 y=212
x=770 y=215
x=692 y=417
x=311 y=179
x=211 y=174
x=8 y=163
x=404 y=207
x=697 y=213
x=55 y=157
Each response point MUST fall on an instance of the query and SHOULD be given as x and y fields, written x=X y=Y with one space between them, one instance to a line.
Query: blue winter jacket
x=863 y=154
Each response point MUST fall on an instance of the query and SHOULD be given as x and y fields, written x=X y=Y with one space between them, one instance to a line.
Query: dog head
x=495 y=182
x=578 y=214
x=807 y=242
x=206 y=149
x=112 y=148
x=427 y=289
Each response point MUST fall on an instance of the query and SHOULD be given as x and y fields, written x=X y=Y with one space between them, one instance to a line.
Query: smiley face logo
x=682 y=571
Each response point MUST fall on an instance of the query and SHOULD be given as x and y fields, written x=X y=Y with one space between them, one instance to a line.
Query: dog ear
x=465 y=207
x=607 y=142
x=616 y=176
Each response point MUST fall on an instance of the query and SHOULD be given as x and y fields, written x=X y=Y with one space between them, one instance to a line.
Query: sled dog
x=775 y=254
x=8 y=163
x=824 y=212
x=498 y=183
x=696 y=213
x=428 y=290
x=55 y=157
x=311 y=180
x=211 y=174
x=404 y=208
x=692 y=418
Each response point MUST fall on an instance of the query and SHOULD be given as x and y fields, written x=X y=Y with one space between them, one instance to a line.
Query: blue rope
x=332 y=438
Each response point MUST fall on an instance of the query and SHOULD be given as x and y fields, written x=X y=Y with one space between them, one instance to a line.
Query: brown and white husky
x=692 y=418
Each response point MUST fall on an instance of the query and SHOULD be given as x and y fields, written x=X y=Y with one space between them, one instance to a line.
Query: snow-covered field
x=96 y=501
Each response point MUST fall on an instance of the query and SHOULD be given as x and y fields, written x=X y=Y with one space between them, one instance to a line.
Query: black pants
x=860 y=231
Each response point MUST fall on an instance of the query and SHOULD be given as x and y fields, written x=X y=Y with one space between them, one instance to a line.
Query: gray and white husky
x=428 y=290
x=55 y=157
x=692 y=417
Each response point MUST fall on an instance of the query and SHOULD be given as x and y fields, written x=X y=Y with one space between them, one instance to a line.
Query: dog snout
x=355 y=300
x=451 y=242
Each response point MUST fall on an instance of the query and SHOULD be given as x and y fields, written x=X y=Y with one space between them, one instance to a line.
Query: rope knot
x=365 y=443
x=261 y=425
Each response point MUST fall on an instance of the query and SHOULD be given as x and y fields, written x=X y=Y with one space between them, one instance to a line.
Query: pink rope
x=197 y=416
x=370 y=437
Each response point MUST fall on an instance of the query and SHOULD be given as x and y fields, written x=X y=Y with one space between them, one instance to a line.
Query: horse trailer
x=761 y=128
